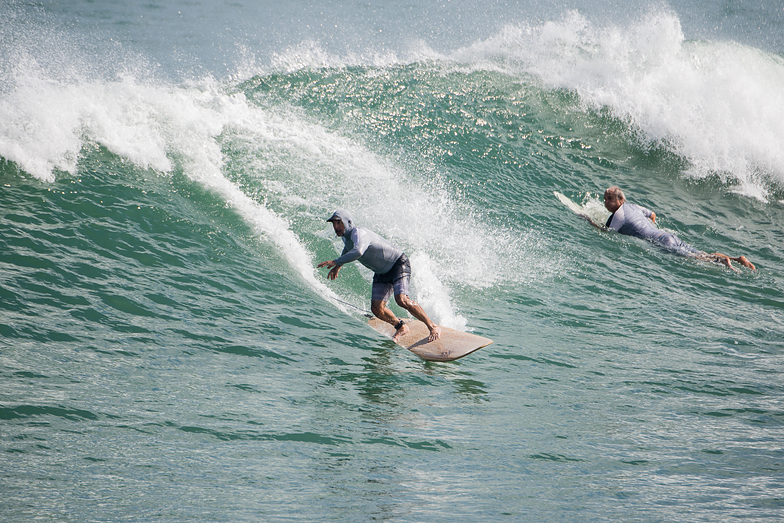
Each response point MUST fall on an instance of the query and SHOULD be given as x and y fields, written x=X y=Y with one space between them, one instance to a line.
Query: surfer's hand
x=335 y=268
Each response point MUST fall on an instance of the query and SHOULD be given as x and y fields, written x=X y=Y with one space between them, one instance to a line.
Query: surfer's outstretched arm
x=589 y=220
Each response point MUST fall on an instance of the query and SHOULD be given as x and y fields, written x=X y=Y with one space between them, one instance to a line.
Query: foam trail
x=204 y=161
x=434 y=297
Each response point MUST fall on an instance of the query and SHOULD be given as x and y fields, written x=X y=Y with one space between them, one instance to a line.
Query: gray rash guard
x=634 y=220
x=367 y=247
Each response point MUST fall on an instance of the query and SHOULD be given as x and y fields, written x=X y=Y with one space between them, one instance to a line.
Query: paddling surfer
x=634 y=220
x=392 y=272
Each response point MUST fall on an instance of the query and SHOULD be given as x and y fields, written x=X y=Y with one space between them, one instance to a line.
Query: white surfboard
x=593 y=212
x=452 y=344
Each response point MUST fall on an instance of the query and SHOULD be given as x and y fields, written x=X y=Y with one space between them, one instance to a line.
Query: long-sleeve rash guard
x=634 y=220
x=366 y=247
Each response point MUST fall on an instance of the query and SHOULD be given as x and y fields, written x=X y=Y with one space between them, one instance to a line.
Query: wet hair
x=615 y=193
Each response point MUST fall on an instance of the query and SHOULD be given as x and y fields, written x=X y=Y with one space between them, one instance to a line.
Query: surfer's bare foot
x=402 y=331
x=746 y=263
x=435 y=333
x=725 y=261
x=721 y=259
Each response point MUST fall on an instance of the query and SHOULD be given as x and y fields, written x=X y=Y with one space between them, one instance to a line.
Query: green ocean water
x=170 y=353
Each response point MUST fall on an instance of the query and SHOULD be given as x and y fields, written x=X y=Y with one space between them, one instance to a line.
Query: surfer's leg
x=740 y=259
x=746 y=263
x=401 y=288
x=419 y=313
x=716 y=258
x=378 y=306
x=727 y=260
x=382 y=312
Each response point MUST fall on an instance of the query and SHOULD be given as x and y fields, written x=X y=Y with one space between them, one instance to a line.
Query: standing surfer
x=634 y=220
x=392 y=272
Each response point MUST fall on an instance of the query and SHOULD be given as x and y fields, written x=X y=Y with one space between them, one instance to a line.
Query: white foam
x=433 y=295
x=312 y=55
x=593 y=207
x=46 y=121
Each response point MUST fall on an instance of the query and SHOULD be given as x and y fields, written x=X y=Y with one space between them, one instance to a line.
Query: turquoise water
x=170 y=353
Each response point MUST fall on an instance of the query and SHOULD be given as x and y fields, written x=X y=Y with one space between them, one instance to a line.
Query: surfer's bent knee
x=377 y=308
x=404 y=301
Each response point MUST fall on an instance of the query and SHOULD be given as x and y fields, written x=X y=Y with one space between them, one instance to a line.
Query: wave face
x=169 y=349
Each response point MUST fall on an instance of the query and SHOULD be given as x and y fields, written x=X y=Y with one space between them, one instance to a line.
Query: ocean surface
x=169 y=352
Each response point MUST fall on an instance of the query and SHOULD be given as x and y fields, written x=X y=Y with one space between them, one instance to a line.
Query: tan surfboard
x=452 y=344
